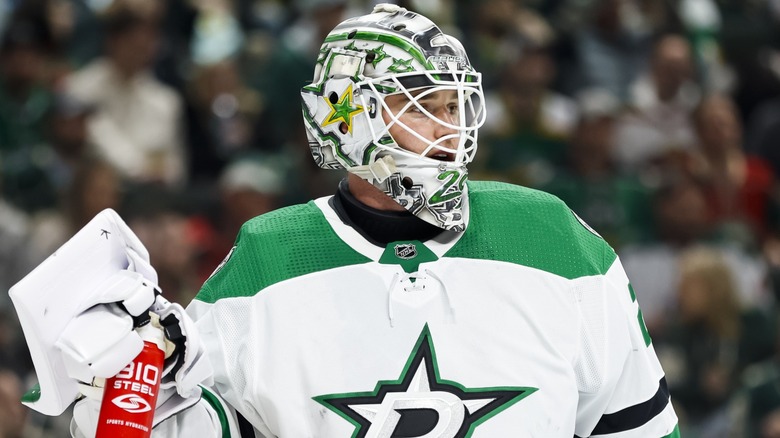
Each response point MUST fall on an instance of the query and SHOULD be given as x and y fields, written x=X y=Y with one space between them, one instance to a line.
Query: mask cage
x=415 y=86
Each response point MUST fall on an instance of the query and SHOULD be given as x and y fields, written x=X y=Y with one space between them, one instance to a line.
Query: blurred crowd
x=654 y=120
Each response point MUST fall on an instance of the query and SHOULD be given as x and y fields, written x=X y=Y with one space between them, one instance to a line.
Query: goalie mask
x=389 y=52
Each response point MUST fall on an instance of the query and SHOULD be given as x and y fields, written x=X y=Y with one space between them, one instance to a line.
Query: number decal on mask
x=451 y=188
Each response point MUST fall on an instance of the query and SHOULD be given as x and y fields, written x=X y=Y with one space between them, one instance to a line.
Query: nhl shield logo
x=406 y=251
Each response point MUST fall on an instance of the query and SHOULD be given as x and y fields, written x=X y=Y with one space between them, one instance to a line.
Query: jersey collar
x=439 y=244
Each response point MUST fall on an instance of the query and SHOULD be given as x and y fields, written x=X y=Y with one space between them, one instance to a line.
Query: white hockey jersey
x=524 y=325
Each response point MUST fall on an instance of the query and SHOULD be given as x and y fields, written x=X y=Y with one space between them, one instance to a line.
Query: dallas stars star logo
x=342 y=110
x=421 y=403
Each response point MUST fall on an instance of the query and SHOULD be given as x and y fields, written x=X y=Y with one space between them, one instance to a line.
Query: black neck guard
x=380 y=227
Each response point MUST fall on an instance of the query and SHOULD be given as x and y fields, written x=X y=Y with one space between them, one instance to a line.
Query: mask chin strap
x=379 y=170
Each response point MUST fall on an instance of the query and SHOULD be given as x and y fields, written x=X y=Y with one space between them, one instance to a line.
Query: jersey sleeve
x=231 y=391
x=211 y=417
x=222 y=411
x=622 y=386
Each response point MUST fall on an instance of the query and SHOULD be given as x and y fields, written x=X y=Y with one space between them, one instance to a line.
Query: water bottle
x=130 y=397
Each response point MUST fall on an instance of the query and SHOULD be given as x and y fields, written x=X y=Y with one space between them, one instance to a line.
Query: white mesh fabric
x=589 y=368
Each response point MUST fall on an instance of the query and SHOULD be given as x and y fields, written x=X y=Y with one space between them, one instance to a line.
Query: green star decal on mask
x=401 y=65
x=352 y=47
x=342 y=111
x=323 y=54
x=379 y=54
x=420 y=402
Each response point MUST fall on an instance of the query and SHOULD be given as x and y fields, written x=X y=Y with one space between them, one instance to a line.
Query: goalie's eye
x=452 y=109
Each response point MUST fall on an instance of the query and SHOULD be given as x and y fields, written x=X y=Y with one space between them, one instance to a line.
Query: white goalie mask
x=393 y=51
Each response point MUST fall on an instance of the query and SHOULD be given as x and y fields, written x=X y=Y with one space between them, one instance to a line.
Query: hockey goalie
x=413 y=302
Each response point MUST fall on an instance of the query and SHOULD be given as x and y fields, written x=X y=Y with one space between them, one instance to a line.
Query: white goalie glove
x=78 y=310
x=185 y=368
x=100 y=341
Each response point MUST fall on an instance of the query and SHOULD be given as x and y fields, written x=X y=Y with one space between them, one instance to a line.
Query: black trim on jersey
x=380 y=227
x=245 y=428
x=634 y=416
